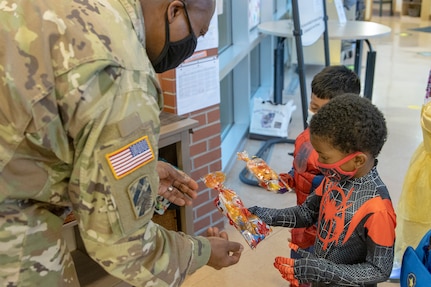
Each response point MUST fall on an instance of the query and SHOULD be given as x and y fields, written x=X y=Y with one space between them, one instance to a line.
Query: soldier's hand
x=175 y=185
x=224 y=253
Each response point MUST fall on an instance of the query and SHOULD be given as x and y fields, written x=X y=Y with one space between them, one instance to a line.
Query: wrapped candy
x=266 y=176
x=251 y=227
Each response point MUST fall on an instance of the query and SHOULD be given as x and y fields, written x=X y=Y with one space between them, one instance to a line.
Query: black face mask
x=174 y=53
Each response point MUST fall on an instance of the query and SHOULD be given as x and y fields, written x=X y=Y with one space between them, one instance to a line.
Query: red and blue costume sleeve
x=304 y=177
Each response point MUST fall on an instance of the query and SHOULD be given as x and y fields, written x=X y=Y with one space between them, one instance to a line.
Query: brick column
x=205 y=154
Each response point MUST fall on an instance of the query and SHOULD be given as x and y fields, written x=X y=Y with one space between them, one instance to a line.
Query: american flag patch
x=130 y=157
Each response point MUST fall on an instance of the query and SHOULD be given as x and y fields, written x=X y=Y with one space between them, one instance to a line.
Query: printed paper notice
x=210 y=40
x=197 y=85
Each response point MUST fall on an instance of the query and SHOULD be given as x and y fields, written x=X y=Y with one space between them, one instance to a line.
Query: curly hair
x=351 y=124
x=335 y=80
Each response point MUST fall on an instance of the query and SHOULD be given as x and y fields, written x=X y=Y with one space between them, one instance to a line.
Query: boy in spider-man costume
x=305 y=176
x=354 y=245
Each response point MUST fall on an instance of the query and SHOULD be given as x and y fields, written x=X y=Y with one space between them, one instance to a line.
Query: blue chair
x=415 y=271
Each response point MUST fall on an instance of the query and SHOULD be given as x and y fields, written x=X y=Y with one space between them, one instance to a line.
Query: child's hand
x=285 y=266
x=288 y=179
x=268 y=215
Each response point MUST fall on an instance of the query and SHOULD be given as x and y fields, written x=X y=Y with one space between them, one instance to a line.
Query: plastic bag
x=251 y=227
x=271 y=119
x=266 y=176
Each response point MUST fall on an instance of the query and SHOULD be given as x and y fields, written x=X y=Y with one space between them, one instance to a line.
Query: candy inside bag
x=266 y=176
x=251 y=227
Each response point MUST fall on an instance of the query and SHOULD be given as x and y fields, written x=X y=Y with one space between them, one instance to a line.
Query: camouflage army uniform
x=79 y=108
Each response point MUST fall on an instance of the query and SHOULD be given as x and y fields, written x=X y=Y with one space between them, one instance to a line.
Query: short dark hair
x=335 y=80
x=351 y=124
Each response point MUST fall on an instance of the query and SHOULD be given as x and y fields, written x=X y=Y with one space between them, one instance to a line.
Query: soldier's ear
x=175 y=9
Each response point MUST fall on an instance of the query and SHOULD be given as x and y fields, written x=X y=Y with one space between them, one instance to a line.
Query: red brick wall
x=205 y=154
x=168 y=82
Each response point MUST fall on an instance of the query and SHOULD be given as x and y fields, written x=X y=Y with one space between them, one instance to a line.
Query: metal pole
x=325 y=35
x=297 y=33
x=279 y=71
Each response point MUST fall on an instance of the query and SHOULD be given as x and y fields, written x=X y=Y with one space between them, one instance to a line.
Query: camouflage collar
x=134 y=10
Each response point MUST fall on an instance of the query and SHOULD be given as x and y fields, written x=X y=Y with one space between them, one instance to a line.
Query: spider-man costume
x=355 y=232
x=306 y=177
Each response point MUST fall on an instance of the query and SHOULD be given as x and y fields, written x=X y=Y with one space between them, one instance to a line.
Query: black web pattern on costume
x=339 y=259
x=356 y=260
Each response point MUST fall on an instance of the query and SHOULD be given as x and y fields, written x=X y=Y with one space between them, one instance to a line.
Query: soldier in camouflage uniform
x=79 y=125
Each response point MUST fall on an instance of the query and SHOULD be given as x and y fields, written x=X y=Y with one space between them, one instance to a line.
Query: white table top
x=357 y=30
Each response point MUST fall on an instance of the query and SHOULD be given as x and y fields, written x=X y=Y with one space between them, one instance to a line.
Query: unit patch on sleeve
x=130 y=157
x=140 y=196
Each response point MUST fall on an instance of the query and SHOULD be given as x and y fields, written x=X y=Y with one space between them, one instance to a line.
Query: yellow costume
x=414 y=205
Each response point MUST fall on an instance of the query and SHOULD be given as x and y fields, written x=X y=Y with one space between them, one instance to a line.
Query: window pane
x=255 y=69
x=225 y=26
x=226 y=104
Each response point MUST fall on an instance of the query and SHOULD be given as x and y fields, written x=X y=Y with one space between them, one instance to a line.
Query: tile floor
x=402 y=67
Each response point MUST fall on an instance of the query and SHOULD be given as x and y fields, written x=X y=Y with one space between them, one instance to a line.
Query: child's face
x=316 y=103
x=328 y=154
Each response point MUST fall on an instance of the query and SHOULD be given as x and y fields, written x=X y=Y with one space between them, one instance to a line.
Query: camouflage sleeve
x=114 y=182
x=111 y=111
x=81 y=109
